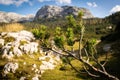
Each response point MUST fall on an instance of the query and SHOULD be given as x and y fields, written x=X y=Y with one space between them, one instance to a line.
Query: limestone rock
x=23 y=78
x=34 y=65
x=48 y=62
x=23 y=43
x=30 y=48
x=35 y=77
x=10 y=67
x=2 y=41
x=21 y=35
x=17 y=51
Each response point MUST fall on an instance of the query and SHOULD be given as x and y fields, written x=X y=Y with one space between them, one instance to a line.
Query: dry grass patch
x=11 y=27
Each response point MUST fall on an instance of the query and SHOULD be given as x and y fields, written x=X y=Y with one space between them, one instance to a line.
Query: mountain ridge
x=8 y=17
x=45 y=12
x=51 y=11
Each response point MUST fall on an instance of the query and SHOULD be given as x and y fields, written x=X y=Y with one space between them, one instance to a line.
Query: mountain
x=50 y=11
x=8 y=17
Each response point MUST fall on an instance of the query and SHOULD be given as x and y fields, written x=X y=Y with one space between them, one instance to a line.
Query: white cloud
x=64 y=1
x=115 y=9
x=14 y=2
x=44 y=0
x=92 y=4
x=58 y=1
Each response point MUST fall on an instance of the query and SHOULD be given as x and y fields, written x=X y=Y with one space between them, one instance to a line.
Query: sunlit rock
x=10 y=67
x=2 y=41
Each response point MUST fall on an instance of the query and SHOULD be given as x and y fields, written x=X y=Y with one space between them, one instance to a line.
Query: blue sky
x=99 y=8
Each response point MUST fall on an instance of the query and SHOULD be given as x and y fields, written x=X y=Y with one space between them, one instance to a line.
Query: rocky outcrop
x=8 y=17
x=17 y=43
x=60 y=12
x=48 y=62
x=10 y=67
x=23 y=42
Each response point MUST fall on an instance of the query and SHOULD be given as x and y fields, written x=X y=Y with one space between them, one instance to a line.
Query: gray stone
x=34 y=65
x=5 y=55
x=23 y=78
x=2 y=41
x=30 y=48
x=10 y=67
x=17 y=51
x=11 y=49
x=21 y=35
x=35 y=77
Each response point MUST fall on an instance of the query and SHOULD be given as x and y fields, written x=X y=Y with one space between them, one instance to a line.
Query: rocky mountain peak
x=50 y=11
x=8 y=17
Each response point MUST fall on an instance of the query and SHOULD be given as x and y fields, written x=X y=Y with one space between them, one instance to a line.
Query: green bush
x=36 y=33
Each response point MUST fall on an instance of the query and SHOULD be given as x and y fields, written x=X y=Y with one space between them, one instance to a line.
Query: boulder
x=35 y=77
x=23 y=78
x=30 y=48
x=10 y=67
x=34 y=65
x=2 y=41
x=46 y=65
x=17 y=51
x=21 y=35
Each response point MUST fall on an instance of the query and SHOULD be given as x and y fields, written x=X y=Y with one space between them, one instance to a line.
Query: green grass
x=24 y=69
x=57 y=74
x=75 y=46
x=67 y=74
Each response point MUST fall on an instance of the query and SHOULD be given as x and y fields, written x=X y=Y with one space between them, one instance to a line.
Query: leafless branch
x=74 y=67
x=106 y=59
x=89 y=73
x=87 y=55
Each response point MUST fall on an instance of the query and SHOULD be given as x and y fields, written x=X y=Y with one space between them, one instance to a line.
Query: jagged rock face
x=48 y=12
x=8 y=17
x=58 y=12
